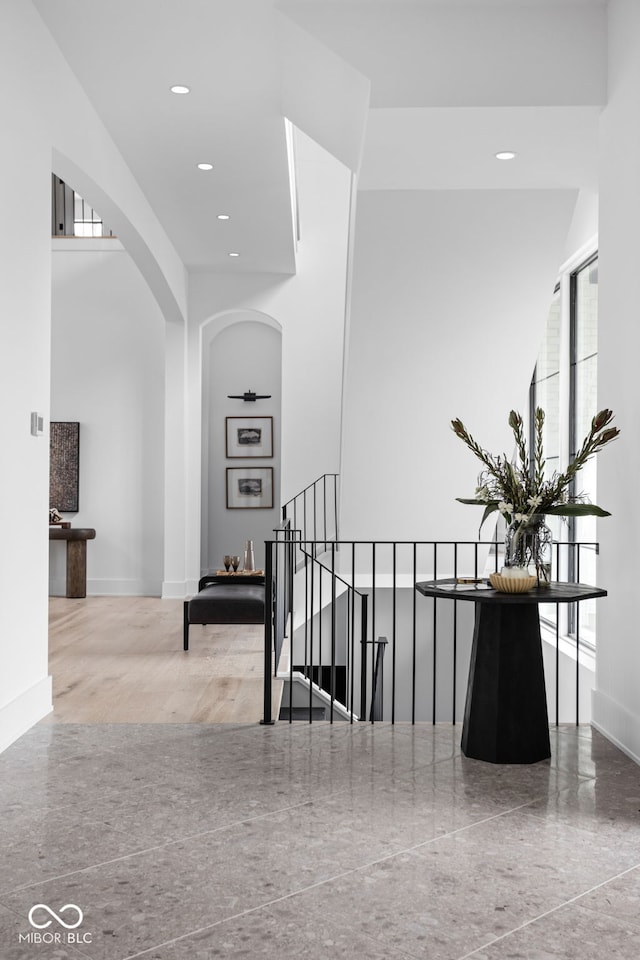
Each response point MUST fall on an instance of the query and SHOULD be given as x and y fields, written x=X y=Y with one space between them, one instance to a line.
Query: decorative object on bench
x=55 y=519
x=249 y=564
x=226 y=598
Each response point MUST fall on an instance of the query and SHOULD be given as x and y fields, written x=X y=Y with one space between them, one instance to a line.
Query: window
x=71 y=215
x=583 y=406
x=564 y=384
x=545 y=393
x=86 y=222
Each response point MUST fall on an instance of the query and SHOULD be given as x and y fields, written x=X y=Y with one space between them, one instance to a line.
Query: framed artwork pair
x=249 y=438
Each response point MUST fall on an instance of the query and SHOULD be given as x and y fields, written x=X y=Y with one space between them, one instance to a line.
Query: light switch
x=37 y=424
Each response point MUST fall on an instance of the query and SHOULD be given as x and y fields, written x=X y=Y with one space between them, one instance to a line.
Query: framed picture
x=249 y=488
x=64 y=465
x=249 y=437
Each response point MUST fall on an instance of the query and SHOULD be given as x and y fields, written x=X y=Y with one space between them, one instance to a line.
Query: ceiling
x=428 y=122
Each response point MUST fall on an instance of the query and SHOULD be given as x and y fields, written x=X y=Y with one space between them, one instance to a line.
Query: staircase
x=351 y=639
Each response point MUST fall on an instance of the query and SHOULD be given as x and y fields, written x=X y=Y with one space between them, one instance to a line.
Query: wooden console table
x=76 y=538
x=505 y=715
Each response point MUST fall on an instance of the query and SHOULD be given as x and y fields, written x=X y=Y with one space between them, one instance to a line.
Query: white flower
x=519 y=517
x=534 y=501
x=482 y=493
x=505 y=507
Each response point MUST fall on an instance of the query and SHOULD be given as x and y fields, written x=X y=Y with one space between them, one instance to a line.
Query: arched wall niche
x=241 y=351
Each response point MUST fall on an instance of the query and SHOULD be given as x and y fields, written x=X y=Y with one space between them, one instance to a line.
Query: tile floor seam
x=468 y=826
x=548 y=913
x=237 y=916
x=144 y=850
x=169 y=843
x=606 y=913
x=320 y=883
x=346 y=873
x=366 y=776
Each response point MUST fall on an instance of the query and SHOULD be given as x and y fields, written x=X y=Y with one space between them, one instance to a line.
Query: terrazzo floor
x=314 y=841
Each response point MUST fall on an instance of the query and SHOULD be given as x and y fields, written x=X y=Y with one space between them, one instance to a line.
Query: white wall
x=310 y=309
x=43 y=110
x=450 y=294
x=107 y=371
x=25 y=688
x=616 y=704
x=245 y=355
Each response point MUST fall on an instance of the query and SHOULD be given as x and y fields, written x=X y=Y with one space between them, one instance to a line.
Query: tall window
x=583 y=406
x=545 y=393
x=584 y=381
x=564 y=384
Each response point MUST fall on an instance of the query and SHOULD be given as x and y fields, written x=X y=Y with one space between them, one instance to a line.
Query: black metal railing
x=347 y=594
x=377 y=696
x=331 y=626
x=314 y=512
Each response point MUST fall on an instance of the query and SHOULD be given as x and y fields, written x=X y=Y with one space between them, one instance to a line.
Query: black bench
x=237 y=598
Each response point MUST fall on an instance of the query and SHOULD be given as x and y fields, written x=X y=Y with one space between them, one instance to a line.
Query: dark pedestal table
x=505 y=716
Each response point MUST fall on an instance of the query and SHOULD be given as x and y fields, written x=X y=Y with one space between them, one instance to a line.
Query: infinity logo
x=43 y=906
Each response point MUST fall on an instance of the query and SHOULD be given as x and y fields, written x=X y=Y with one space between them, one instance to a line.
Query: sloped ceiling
x=411 y=95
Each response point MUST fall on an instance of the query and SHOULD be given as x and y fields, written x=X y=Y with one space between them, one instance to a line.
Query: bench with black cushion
x=225 y=599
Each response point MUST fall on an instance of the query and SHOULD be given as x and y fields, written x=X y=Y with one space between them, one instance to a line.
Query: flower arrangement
x=521 y=491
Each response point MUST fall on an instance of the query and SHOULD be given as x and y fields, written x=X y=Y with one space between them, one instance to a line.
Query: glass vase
x=528 y=544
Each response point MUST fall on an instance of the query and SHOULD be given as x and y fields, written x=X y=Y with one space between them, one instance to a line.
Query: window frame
x=565 y=622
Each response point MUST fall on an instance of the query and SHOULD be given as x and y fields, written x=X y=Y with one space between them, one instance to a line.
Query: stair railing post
x=363 y=657
x=269 y=656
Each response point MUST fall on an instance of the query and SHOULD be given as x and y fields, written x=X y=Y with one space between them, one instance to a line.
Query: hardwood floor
x=120 y=660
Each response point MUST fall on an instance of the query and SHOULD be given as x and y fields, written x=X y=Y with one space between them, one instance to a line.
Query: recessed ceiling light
x=505 y=155
x=180 y=88
x=234 y=254
x=223 y=216
x=205 y=166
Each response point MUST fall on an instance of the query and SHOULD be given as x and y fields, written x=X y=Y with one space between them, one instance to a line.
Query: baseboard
x=111 y=588
x=124 y=588
x=616 y=723
x=179 y=589
x=19 y=715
